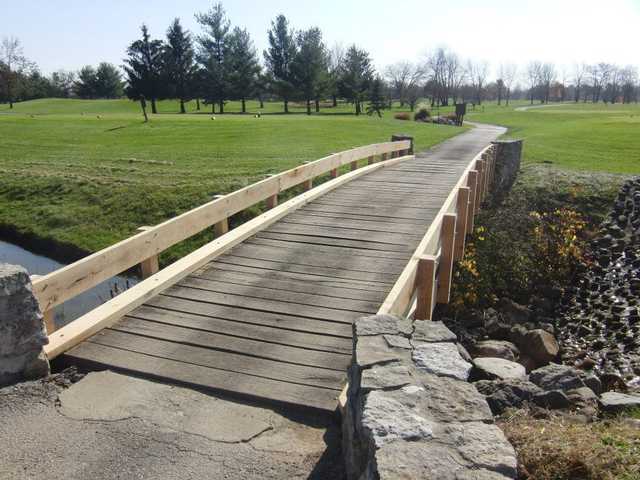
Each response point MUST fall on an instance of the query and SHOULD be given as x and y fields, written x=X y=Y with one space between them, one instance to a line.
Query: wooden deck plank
x=193 y=375
x=250 y=317
x=264 y=304
x=270 y=334
x=272 y=317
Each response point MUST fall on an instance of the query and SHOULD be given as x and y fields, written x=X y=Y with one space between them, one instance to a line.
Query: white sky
x=69 y=34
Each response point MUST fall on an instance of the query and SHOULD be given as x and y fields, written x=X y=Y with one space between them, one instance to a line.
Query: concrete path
x=110 y=426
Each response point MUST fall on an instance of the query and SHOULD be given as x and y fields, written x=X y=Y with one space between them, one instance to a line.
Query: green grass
x=88 y=173
x=587 y=137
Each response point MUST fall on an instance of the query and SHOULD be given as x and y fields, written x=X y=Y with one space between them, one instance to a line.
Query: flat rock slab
x=428 y=331
x=488 y=368
x=441 y=359
x=618 y=402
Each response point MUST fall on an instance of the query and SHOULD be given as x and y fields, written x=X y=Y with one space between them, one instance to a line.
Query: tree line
x=220 y=63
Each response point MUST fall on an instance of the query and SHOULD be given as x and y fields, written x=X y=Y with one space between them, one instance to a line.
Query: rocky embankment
x=578 y=348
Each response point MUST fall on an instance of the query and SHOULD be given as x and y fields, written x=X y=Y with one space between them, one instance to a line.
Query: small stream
x=76 y=307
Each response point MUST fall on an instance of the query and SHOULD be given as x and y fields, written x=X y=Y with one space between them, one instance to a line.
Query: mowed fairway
x=88 y=173
x=604 y=138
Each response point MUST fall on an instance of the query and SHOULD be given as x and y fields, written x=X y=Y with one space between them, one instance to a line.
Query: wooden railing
x=143 y=248
x=426 y=279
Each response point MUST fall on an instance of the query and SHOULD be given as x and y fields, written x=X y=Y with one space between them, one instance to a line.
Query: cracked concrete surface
x=114 y=426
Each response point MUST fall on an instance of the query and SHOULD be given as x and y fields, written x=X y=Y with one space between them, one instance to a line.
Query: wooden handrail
x=110 y=312
x=63 y=284
x=403 y=297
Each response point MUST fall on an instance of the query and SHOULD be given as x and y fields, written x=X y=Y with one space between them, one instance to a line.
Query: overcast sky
x=72 y=33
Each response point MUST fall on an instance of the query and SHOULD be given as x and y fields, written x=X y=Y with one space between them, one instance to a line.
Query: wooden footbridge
x=266 y=309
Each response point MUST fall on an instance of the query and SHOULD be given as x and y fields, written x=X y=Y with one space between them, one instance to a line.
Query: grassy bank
x=586 y=137
x=88 y=173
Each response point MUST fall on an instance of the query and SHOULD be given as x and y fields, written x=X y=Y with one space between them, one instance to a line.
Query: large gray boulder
x=504 y=394
x=615 y=402
x=557 y=377
x=22 y=330
x=541 y=346
x=487 y=368
x=496 y=349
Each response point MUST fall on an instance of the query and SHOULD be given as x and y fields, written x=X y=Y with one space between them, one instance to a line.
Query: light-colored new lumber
x=447 y=240
x=151 y=265
x=472 y=183
x=56 y=287
x=425 y=281
x=400 y=296
x=110 y=312
x=462 y=210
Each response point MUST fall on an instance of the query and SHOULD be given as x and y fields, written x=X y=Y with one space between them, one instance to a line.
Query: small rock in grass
x=557 y=377
x=552 y=399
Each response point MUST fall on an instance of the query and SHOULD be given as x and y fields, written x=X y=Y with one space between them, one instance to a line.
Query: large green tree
x=309 y=66
x=279 y=57
x=108 y=81
x=377 y=99
x=212 y=55
x=13 y=66
x=356 y=76
x=85 y=85
x=179 y=63
x=143 y=67
x=244 y=67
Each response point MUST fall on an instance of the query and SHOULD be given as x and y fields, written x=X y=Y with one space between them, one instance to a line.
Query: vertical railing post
x=48 y=316
x=370 y=160
x=472 y=183
x=383 y=157
x=354 y=165
x=424 y=286
x=271 y=201
x=307 y=184
x=445 y=269
x=221 y=227
x=150 y=265
x=479 y=185
x=462 y=210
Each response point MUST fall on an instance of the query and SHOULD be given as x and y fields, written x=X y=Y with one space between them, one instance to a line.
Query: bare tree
x=579 y=72
x=477 y=73
x=334 y=63
x=404 y=79
x=628 y=82
x=445 y=75
x=547 y=77
x=14 y=62
x=508 y=73
x=533 y=75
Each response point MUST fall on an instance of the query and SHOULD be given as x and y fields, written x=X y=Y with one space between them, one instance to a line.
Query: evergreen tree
x=278 y=58
x=244 y=66
x=108 y=81
x=377 y=101
x=179 y=63
x=213 y=53
x=143 y=68
x=309 y=66
x=356 y=76
x=85 y=85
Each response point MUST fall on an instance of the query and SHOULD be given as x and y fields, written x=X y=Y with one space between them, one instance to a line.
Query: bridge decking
x=272 y=317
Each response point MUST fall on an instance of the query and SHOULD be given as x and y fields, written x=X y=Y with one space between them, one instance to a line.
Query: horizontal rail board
x=56 y=287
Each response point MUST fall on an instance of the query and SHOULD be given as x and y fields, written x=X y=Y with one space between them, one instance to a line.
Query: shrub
x=422 y=115
x=402 y=116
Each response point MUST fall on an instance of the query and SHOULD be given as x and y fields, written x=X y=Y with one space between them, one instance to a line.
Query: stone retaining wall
x=22 y=331
x=411 y=412
x=508 y=159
